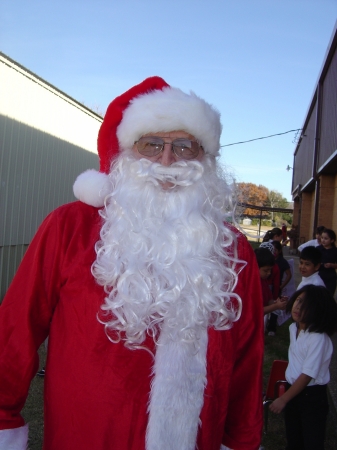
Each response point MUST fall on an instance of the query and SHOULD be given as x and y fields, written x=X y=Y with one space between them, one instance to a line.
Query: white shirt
x=313 y=243
x=313 y=279
x=310 y=354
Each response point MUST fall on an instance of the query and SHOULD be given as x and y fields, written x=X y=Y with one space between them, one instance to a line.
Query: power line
x=263 y=137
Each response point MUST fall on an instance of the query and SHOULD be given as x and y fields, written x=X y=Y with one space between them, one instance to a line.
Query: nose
x=167 y=156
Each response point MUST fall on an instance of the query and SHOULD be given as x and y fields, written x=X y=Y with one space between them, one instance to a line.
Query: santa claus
x=151 y=301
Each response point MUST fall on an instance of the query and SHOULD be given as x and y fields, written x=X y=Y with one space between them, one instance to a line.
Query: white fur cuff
x=14 y=439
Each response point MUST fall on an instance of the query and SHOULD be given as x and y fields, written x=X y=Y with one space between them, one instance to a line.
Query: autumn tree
x=259 y=195
x=252 y=194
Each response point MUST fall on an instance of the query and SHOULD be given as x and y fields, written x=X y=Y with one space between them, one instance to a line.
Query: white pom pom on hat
x=151 y=106
x=91 y=187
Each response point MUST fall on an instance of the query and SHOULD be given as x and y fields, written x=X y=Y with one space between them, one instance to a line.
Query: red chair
x=276 y=387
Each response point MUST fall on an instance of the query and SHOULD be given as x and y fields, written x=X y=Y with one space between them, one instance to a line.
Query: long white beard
x=166 y=255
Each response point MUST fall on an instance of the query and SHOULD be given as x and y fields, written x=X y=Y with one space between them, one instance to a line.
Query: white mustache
x=182 y=173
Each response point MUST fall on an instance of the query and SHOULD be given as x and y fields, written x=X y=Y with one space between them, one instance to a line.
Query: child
x=305 y=402
x=284 y=277
x=310 y=262
x=283 y=265
x=328 y=267
x=313 y=242
x=274 y=277
x=274 y=281
x=266 y=261
x=275 y=235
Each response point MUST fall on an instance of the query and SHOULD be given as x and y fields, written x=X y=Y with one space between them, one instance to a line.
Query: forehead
x=306 y=261
x=179 y=134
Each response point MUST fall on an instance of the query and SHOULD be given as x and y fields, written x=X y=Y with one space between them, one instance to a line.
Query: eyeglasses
x=182 y=148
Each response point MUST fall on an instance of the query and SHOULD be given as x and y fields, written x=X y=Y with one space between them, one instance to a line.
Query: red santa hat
x=151 y=106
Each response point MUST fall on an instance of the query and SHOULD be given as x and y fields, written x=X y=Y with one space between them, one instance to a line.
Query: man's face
x=167 y=156
x=307 y=268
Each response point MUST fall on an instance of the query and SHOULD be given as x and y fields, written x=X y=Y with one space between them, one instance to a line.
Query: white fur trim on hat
x=14 y=439
x=167 y=110
x=91 y=187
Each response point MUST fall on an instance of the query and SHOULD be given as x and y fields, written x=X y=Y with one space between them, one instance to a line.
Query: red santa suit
x=97 y=392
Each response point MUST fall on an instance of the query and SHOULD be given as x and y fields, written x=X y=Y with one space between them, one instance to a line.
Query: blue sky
x=257 y=61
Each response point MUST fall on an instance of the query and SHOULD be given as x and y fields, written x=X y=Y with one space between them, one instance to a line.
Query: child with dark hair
x=284 y=278
x=305 y=402
x=274 y=277
x=328 y=266
x=310 y=262
x=283 y=265
x=313 y=242
x=266 y=261
x=273 y=235
x=274 y=282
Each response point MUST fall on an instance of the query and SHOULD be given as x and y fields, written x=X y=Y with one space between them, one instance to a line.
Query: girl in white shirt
x=305 y=402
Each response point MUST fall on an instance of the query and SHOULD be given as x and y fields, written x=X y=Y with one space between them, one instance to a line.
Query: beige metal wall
x=46 y=141
x=27 y=98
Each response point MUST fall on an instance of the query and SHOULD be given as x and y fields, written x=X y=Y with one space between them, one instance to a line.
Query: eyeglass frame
x=172 y=147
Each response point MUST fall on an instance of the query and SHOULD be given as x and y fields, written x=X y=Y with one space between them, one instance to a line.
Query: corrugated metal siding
x=328 y=142
x=303 y=163
x=46 y=140
x=10 y=258
x=37 y=173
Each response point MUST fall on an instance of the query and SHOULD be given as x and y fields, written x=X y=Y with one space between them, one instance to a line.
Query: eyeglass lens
x=183 y=148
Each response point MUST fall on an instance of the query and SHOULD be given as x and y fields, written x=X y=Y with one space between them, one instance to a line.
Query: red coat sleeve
x=25 y=316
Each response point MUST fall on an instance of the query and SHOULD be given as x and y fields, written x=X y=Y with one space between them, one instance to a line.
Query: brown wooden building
x=314 y=184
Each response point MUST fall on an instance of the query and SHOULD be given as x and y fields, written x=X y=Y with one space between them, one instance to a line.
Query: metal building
x=46 y=140
x=314 y=184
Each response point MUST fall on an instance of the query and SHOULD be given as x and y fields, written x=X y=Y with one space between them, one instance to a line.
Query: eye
x=153 y=145
x=185 y=148
x=185 y=151
x=149 y=146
